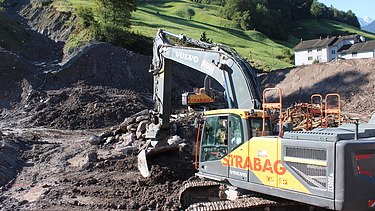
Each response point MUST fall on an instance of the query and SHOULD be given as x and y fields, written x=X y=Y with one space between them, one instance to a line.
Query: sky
x=361 y=8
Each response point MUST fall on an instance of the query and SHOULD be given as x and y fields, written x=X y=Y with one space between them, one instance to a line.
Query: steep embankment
x=353 y=79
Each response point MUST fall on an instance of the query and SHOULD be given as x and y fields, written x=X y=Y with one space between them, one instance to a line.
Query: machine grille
x=316 y=154
x=315 y=176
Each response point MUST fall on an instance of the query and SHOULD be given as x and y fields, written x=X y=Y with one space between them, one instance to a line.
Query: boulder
x=95 y=140
x=141 y=118
x=92 y=156
x=141 y=129
x=132 y=127
x=106 y=134
x=127 y=150
x=128 y=138
x=174 y=140
x=141 y=113
x=110 y=140
x=128 y=121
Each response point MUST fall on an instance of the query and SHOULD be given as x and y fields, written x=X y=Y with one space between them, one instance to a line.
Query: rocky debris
x=13 y=70
x=11 y=160
x=80 y=107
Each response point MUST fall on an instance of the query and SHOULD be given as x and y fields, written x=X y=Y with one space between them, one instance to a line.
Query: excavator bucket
x=146 y=155
x=142 y=164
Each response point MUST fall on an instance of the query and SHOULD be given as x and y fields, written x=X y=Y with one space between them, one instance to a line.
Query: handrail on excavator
x=316 y=111
x=332 y=110
x=272 y=105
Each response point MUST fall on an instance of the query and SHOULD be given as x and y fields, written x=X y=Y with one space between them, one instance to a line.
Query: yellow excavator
x=246 y=162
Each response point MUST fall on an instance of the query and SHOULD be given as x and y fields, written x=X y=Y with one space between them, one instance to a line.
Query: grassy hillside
x=261 y=51
x=192 y=19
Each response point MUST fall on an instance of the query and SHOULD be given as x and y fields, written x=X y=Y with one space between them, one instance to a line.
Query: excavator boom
x=218 y=61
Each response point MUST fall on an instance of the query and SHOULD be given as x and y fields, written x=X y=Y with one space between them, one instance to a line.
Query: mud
x=61 y=170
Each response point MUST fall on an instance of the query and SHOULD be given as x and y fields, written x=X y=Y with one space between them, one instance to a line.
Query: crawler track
x=205 y=196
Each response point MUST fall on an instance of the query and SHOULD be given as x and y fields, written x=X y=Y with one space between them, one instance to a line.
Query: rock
x=123 y=128
x=110 y=140
x=141 y=118
x=92 y=156
x=117 y=137
x=95 y=140
x=121 y=206
x=106 y=134
x=128 y=138
x=117 y=131
x=126 y=122
x=142 y=113
x=139 y=143
x=141 y=129
x=127 y=150
x=174 y=140
x=131 y=127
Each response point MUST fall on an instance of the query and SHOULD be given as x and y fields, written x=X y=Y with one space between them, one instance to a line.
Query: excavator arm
x=220 y=62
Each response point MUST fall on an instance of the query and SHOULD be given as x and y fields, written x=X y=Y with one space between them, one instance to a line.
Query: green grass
x=262 y=52
x=252 y=45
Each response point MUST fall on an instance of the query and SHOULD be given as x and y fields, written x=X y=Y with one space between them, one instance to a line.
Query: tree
x=317 y=9
x=190 y=13
x=115 y=12
x=204 y=38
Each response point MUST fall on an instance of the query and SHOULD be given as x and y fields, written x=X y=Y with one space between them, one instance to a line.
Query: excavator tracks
x=199 y=191
x=205 y=196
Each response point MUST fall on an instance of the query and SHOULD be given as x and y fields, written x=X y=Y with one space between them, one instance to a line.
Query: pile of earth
x=64 y=170
x=13 y=70
x=353 y=79
x=11 y=161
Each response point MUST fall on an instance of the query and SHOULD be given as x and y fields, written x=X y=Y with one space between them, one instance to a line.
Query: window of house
x=333 y=52
x=319 y=49
x=310 y=58
x=319 y=58
x=354 y=54
x=309 y=50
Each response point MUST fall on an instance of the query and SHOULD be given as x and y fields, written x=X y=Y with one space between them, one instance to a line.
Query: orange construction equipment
x=273 y=105
x=316 y=110
x=332 y=110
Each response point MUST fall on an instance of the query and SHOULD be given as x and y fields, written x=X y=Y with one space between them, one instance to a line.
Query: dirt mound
x=10 y=152
x=353 y=79
x=13 y=70
x=102 y=64
x=81 y=107
x=67 y=172
x=49 y=21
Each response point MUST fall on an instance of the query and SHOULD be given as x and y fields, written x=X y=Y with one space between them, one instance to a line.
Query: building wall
x=360 y=55
x=332 y=53
x=305 y=57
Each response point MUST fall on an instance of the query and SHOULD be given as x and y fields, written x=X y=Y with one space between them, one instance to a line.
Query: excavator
x=243 y=160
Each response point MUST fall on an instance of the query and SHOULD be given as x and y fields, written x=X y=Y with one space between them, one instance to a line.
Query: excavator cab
x=223 y=132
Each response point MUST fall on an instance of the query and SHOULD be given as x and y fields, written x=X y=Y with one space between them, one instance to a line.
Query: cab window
x=215 y=138
x=257 y=126
x=236 y=132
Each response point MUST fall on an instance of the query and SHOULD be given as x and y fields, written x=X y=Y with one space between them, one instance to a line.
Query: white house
x=331 y=48
x=359 y=50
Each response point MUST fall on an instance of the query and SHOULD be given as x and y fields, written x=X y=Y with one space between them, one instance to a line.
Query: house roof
x=360 y=47
x=342 y=38
x=315 y=43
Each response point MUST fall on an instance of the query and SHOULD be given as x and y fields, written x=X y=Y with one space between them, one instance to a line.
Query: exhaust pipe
x=356 y=128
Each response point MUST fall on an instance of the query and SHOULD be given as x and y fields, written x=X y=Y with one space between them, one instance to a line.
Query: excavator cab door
x=214 y=145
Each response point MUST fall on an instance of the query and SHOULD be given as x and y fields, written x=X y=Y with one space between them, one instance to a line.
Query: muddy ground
x=51 y=104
